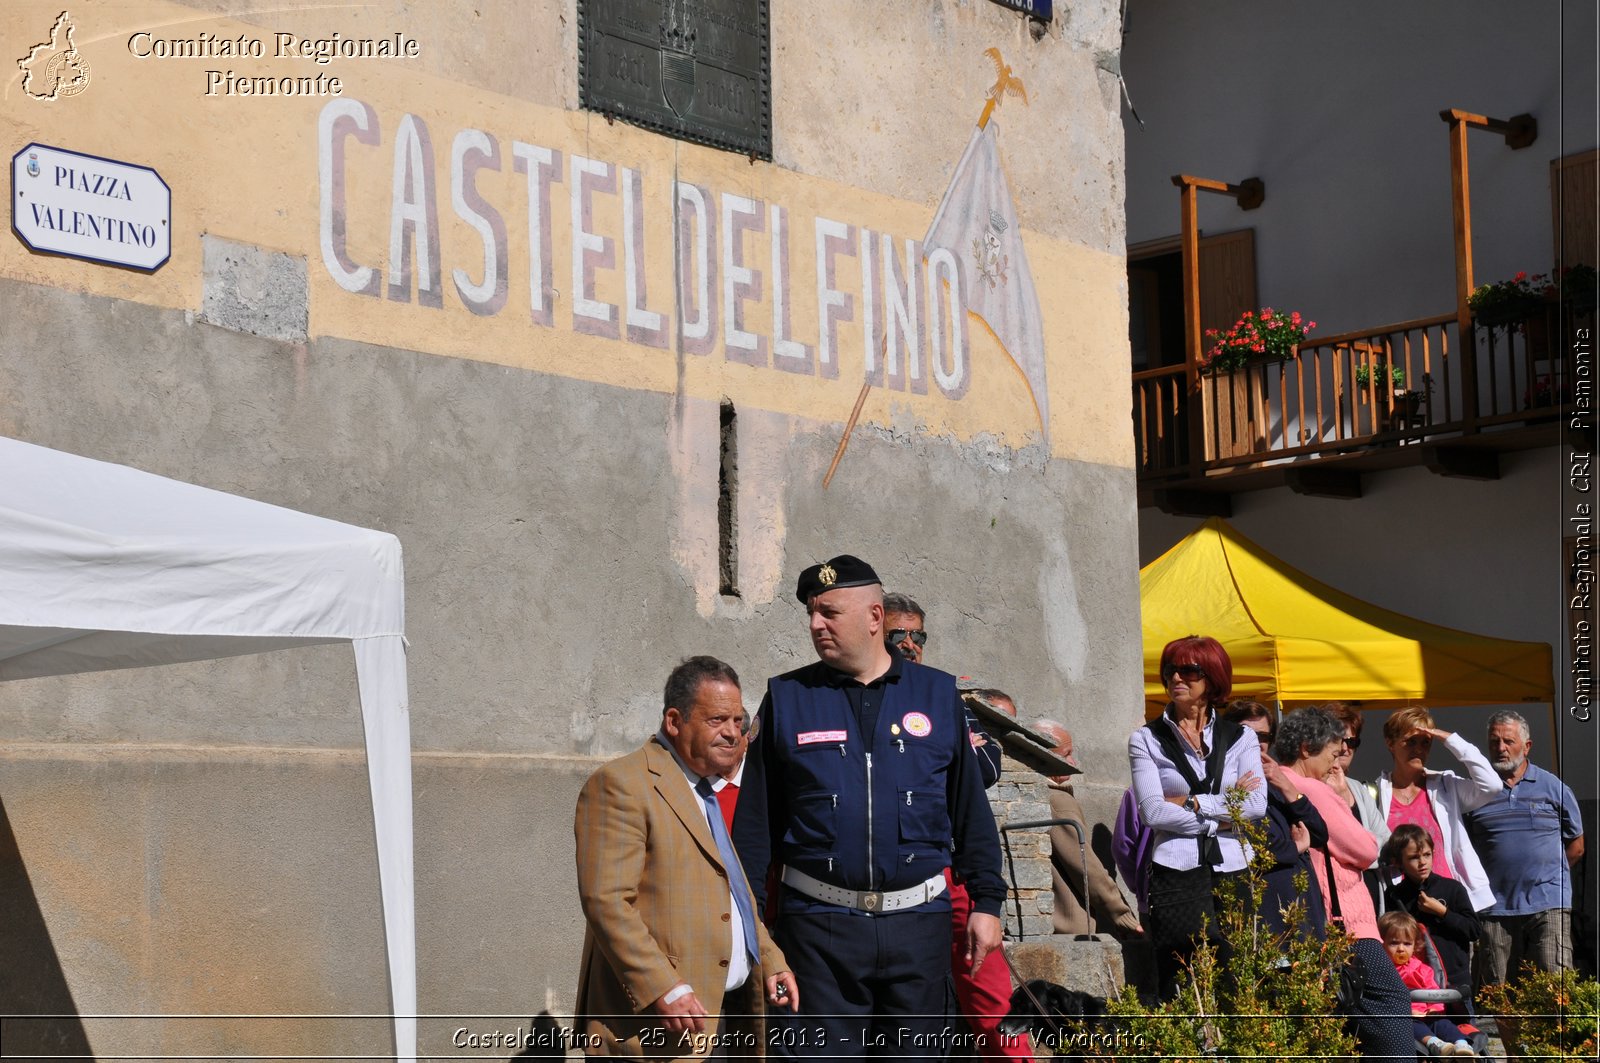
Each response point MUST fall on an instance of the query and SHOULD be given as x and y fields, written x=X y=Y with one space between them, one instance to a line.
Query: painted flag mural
x=977 y=224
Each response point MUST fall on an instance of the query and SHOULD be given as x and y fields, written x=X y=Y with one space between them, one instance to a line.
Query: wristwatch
x=1192 y=803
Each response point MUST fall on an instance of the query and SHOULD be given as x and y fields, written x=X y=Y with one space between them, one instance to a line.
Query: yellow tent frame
x=1298 y=641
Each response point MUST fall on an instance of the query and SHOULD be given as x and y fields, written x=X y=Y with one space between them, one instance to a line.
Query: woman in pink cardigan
x=1308 y=743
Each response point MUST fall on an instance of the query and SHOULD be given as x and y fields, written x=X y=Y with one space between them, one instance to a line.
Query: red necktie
x=727 y=798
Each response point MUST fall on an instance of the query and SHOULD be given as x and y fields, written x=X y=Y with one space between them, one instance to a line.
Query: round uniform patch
x=917 y=724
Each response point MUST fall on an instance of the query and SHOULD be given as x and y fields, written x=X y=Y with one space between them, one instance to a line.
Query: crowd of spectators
x=1467 y=873
x=713 y=895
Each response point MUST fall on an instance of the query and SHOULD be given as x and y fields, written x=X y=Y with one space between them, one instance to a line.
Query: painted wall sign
x=1043 y=10
x=68 y=203
x=697 y=70
x=441 y=218
x=766 y=283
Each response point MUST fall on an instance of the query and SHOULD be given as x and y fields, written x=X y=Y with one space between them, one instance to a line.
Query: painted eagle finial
x=1006 y=83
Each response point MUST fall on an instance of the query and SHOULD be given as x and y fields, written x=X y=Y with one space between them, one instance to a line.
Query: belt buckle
x=870 y=902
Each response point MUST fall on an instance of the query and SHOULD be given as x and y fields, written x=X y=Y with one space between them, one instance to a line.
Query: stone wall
x=1021 y=796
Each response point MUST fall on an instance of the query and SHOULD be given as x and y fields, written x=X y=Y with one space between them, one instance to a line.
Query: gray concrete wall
x=542 y=620
x=173 y=880
x=539 y=578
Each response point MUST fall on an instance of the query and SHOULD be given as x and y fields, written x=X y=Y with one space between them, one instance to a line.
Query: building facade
x=1477 y=526
x=593 y=377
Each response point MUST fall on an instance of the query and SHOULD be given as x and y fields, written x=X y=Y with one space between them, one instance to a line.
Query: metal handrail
x=1035 y=824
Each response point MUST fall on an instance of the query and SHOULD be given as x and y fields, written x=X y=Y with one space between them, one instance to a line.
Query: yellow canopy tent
x=1297 y=640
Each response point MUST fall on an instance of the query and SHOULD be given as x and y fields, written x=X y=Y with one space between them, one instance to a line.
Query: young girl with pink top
x=1438 y=1034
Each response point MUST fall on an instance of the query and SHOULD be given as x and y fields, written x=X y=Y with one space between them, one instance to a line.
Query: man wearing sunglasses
x=983 y=995
x=904 y=630
x=906 y=634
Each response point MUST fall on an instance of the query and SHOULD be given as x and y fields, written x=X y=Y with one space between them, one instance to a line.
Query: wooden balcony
x=1319 y=421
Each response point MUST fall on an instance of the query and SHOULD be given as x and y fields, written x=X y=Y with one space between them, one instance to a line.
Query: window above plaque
x=697 y=70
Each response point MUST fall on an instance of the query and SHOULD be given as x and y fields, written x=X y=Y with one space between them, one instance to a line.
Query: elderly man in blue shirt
x=1528 y=836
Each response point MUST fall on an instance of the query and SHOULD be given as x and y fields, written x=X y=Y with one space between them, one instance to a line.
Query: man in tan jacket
x=1070 y=861
x=673 y=946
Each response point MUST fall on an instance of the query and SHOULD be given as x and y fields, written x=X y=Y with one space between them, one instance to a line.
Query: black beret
x=836 y=572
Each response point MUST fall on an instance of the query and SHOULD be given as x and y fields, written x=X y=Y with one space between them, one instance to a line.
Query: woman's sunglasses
x=1187 y=672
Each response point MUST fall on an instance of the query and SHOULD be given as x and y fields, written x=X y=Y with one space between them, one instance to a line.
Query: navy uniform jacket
x=818 y=798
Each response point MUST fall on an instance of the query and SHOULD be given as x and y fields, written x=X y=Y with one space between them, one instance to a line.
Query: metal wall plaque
x=698 y=70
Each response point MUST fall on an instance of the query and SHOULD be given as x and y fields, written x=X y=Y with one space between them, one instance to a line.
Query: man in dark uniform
x=984 y=994
x=858 y=778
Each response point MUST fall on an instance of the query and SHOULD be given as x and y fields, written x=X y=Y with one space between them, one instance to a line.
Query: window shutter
x=1227 y=278
x=1572 y=206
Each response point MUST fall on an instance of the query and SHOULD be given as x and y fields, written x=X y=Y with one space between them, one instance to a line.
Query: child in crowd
x=1438 y=1034
x=1440 y=904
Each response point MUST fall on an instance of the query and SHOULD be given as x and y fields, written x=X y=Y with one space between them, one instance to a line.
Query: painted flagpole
x=1005 y=83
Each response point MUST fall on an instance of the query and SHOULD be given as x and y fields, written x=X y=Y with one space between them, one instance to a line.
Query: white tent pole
x=385 y=713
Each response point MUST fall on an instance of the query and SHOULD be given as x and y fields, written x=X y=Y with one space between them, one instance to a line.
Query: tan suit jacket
x=655 y=897
x=1110 y=909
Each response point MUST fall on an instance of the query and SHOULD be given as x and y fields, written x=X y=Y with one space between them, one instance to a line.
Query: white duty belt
x=864 y=900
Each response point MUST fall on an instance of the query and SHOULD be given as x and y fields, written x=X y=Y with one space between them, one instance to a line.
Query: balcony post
x=1190 y=215
x=1248 y=194
x=1519 y=132
x=1461 y=202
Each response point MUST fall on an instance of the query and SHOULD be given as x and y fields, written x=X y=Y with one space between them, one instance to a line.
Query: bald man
x=1090 y=907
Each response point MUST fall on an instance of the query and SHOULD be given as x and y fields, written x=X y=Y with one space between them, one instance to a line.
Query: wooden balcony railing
x=1387 y=386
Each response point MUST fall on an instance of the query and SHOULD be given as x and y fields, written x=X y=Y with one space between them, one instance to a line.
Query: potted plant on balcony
x=1264 y=336
x=1382 y=373
x=1404 y=405
x=1258 y=338
x=1236 y=412
x=1576 y=287
x=1508 y=304
x=1546 y=390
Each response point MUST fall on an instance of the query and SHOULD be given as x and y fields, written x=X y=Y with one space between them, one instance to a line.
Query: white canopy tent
x=105 y=567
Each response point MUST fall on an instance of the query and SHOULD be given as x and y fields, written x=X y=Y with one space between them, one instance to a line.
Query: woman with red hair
x=1183 y=764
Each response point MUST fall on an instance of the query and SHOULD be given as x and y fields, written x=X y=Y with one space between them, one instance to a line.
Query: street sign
x=1043 y=10
x=68 y=203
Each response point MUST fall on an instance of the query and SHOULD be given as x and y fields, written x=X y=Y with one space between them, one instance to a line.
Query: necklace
x=1197 y=742
x=1406 y=794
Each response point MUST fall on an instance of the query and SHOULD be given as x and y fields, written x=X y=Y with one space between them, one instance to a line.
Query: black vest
x=1224 y=733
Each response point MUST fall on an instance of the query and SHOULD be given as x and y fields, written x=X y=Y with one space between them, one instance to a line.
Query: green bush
x=1545 y=1014
x=1274 y=1000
